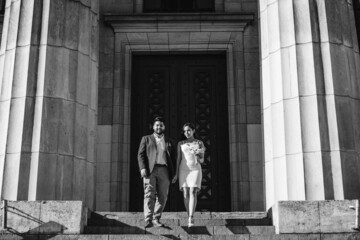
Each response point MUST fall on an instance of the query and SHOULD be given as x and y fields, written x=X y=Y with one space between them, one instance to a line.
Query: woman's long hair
x=190 y=125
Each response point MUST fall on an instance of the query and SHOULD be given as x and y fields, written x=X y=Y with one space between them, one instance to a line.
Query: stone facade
x=65 y=84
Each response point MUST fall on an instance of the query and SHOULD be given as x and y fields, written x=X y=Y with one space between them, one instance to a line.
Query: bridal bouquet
x=196 y=149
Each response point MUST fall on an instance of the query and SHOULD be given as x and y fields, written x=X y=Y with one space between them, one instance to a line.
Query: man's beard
x=159 y=132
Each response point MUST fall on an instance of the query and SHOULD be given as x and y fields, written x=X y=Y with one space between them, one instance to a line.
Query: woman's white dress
x=190 y=173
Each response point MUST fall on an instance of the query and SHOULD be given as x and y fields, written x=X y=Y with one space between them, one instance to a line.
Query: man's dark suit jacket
x=148 y=151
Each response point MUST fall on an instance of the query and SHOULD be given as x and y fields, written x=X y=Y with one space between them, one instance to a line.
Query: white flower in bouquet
x=196 y=149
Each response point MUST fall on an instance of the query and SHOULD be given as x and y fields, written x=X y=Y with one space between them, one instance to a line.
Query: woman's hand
x=175 y=178
x=199 y=159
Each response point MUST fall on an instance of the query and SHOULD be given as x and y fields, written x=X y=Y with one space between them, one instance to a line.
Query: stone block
x=104 y=134
x=24 y=172
x=93 y=86
x=302 y=21
x=85 y=26
x=295 y=176
x=179 y=37
x=103 y=171
x=156 y=38
x=252 y=78
x=338 y=216
x=94 y=37
x=83 y=79
x=296 y=217
x=313 y=171
x=71 y=31
x=350 y=166
x=306 y=69
x=66 y=127
x=46 y=217
x=102 y=194
x=235 y=171
x=341 y=78
x=256 y=172
x=47 y=180
x=292 y=126
x=56 y=23
x=345 y=123
x=103 y=152
x=252 y=61
x=90 y=185
x=232 y=7
x=334 y=21
x=257 y=189
x=79 y=179
x=81 y=131
x=255 y=152
x=310 y=124
x=23 y=216
x=333 y=216
x=65 y=176
x=253 y=96
x=223 y=37
x=203 y=37
x=105 y=97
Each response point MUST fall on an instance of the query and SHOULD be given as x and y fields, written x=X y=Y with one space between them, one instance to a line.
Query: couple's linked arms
x=178 y=160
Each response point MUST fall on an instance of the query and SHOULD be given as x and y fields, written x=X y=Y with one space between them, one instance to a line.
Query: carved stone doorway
x=183 y=88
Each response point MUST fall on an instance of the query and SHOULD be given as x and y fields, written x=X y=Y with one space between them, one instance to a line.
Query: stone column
x=310 y=100
x=48 y=71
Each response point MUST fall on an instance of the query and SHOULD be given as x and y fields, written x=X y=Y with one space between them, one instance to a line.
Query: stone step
x=342 y=236
x=155 y=237
x=181 y=215
x=183 y=231
x=180 y=222
x=126 y=219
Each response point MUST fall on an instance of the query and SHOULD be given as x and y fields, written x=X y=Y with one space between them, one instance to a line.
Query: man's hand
x=143 y=173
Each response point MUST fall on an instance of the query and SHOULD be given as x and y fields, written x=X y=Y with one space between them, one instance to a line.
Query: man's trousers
x=156 y=189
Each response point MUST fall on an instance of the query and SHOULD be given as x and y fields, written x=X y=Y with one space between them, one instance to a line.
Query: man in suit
x=155 y=158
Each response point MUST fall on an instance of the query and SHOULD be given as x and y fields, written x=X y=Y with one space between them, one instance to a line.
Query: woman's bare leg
x=192 y=201
x=186 y=199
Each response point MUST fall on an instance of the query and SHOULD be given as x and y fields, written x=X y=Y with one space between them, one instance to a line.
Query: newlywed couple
x=155 y=158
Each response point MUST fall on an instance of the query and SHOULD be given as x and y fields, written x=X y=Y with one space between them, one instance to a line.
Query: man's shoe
x=157 y=223
x=148 y=224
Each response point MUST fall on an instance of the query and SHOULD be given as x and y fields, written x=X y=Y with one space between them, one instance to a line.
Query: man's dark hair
x=158 y=119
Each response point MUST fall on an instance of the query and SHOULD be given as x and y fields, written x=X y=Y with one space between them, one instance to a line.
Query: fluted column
x=48 y=70
x=310 y=100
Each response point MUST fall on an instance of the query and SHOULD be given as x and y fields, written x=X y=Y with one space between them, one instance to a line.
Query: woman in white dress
x=190 y=155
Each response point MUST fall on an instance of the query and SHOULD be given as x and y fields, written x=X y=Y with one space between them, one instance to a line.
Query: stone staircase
x=208 y=225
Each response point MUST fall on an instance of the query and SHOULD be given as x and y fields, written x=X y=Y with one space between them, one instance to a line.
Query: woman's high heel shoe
x=191 y=222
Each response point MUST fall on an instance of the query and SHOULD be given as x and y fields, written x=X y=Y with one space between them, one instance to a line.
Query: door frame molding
x=140 y=34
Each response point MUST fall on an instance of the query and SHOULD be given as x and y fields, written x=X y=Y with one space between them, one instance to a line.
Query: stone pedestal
x=310 y=100
x=48 y=76
x=316 y=216
x=44 y=217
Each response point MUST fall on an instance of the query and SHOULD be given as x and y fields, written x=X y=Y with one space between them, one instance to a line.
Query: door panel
x=183 y=88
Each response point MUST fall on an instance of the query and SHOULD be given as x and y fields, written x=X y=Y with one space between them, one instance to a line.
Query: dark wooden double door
x=183 y=88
